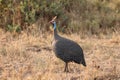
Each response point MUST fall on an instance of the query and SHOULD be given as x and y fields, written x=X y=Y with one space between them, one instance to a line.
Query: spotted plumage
x=67 y=50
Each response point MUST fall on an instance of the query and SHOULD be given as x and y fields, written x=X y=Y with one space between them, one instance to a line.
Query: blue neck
x=54 y=25
x=56 y=36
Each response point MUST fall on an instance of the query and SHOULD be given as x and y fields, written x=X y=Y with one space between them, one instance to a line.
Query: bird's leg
x=66 y=67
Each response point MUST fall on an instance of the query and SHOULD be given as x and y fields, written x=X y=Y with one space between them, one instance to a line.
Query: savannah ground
x=30 y=57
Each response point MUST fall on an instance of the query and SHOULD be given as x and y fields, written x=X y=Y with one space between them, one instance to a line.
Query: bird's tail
x=80 y=61
x=83 y=62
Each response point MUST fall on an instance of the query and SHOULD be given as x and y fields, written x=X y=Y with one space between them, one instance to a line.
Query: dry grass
x=31 y=58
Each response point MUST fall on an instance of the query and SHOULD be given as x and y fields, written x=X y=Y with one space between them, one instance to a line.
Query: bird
x=65 y=49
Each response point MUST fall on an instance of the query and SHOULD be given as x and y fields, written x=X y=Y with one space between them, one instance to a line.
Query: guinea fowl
x=67 y=50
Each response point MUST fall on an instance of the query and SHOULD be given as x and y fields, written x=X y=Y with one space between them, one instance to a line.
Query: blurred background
x=74 y=16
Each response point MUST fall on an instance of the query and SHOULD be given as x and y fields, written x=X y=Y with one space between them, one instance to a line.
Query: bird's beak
x=53 y=19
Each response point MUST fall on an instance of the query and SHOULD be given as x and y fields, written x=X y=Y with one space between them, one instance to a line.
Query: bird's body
x=67 y=50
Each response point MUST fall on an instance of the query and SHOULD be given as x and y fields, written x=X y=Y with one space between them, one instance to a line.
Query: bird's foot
x=67 y=71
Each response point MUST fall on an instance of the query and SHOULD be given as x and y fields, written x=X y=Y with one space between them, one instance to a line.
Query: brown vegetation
x=30 y=57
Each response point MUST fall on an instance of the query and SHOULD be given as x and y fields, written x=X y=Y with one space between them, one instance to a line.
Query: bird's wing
x=70 y=47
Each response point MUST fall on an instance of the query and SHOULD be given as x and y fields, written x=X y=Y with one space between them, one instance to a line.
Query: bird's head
x=53 y=22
